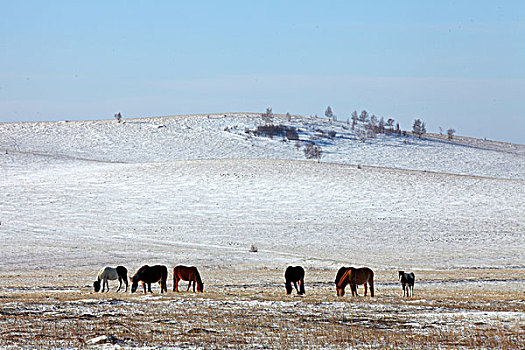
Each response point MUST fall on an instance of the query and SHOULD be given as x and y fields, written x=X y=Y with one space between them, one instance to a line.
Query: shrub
x=312 y=151
x=271 y=130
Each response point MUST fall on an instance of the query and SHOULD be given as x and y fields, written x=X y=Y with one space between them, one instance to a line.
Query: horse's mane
x=345 y=278
x=340 y=274
x=139 y=271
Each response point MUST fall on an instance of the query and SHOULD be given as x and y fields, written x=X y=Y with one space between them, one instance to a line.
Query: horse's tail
x=163 y=279
x=371 y=282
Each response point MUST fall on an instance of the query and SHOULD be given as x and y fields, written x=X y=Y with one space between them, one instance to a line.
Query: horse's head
x=134 y=284
x=401 y=273
x=96 y=286
x=343 y=278
x=200 y=287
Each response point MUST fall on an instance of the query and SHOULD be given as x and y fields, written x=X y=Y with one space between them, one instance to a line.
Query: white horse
x=111 y=273
x=407 y=282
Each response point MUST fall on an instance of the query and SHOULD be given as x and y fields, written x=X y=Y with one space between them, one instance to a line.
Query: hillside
x=167 y=139
x=202 y=183
x=202 y=190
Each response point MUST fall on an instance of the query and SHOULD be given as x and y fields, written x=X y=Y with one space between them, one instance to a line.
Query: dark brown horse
x=190 y=274
x=340 y=274
x=407 y=282
x=354 y=277
x=148 y=275
x=294 y=274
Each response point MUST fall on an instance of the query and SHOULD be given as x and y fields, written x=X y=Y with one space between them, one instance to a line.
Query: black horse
x=407 y=280
x=148 y=275
x=294 y=274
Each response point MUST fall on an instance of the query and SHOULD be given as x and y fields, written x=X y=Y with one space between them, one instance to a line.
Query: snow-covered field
x=185 y=190
x=200 y=190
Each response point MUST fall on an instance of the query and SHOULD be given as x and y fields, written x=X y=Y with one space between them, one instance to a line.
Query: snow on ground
x=200 y=190
x=166 y=139
x=185 y=190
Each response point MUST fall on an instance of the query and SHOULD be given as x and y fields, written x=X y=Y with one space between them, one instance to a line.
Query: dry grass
x=258 y=314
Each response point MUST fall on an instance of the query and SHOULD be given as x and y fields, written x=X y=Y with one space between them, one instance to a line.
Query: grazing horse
x=294 y=274
x=111 y=273
x=148 y=275
x=354 y=277
x=190 y=274
x=340 y=274
x=407 y=282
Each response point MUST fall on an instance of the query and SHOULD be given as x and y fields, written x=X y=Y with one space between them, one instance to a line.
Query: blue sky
x=453 y=64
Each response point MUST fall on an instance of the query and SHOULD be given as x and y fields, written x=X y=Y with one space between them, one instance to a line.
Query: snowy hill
x=166 y=139
x=201 y=190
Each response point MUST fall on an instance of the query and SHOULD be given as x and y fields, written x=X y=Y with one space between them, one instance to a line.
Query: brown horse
x=190 y=274
x=294 y=274
x=354 y=277
x=148 y=275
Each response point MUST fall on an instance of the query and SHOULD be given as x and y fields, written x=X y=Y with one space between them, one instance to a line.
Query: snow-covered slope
x=166 y=139
x=200 y=190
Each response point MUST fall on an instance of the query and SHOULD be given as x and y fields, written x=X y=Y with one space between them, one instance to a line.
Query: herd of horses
x=147 y=275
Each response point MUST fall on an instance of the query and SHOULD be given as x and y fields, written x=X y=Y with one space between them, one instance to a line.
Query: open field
x=250 y=310
x=197 y=191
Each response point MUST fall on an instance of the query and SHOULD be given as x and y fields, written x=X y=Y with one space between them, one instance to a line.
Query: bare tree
x=354 y=119
x=450 y=133
x=418 y=128
x=390 y=124
x=363 y=117
x=329 y=113
x=381 y=126
x=268 y=116
x=372 y=125
x=312 y=151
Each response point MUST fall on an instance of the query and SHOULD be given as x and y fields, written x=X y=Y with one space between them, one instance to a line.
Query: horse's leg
x=371 y=285
x=175 y=284
x=365 y=289
x=194 y=283
x=301 y=286
x=295 y=285
x=189 y=284
x=119 y=283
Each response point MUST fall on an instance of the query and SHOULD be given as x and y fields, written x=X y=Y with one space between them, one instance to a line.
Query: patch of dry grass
x=241 y=315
